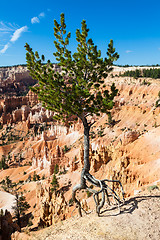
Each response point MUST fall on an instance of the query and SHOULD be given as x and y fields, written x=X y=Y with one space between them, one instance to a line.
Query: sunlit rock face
x=52 y=206
x=46 y=153
x=15 y=81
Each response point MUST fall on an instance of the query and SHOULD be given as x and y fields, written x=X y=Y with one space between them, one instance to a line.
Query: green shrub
x=66 y=149
x=34 y=205
x=54 y=183
x=92 y=134
x=146 y=83
x=88 y=193
x=43 y=177
x=153 y=187
x=38 y=177
x=100 y=131
x=56 y=169
x=70 y=202
x=34 y=177
x=20 y=182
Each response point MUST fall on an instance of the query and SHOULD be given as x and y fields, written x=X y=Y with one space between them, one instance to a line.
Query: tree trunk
x=86 y=166
x=19 y=220
x=86 y=176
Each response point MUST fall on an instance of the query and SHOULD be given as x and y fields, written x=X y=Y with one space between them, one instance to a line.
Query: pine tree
x=7 y=184
x=78 y=90
x=54 y=183
x=34 y=176
x=56 y=169
x=3 y=164
x=20 y=207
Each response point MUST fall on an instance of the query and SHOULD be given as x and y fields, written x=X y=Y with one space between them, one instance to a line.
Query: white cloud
x=128 y=51
x=18 y=33
x=42 y=14
x=5 y=48
x=7 y=27
x=35 y=20
x=2 y=33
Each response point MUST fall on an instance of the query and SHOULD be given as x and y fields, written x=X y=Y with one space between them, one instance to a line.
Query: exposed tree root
x=105 y=190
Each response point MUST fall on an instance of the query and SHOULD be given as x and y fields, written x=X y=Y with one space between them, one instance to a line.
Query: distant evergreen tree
x=38 y=177
x=34 y=176
x=148 y=73
x=54 y=183
x=3 y=164
x=7 y=184
x=137 y=73
x=56 y=169
x=21 y=206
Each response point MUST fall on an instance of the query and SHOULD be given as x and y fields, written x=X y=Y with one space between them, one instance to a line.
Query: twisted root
x=104 y=189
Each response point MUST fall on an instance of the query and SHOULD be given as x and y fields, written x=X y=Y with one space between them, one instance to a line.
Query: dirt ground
x=139 y=220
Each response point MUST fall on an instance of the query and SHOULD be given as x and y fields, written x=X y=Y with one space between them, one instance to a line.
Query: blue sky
x=134 y=27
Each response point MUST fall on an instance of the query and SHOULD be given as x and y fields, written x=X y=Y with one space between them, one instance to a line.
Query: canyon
x=32 y=142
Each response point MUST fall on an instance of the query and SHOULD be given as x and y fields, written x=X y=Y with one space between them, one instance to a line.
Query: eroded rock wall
x=51 y=205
